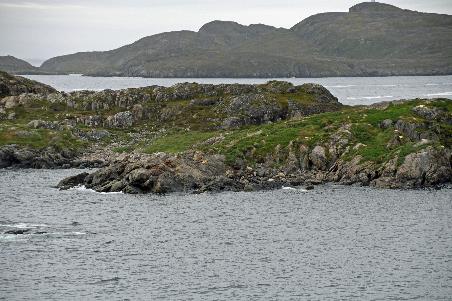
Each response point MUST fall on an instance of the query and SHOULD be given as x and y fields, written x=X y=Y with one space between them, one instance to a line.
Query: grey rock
x=120 y=120
x=427 y=167
x=427 y=112
x=385 y=124
x=17 y=231
x=72 y=181
x=41 y=124
x=318 y=158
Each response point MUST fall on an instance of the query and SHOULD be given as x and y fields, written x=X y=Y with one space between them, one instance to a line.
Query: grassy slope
x=259 y=141
x=189 y=129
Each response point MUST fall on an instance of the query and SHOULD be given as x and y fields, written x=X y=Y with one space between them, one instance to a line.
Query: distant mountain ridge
x=372 y=39
x=12 y=64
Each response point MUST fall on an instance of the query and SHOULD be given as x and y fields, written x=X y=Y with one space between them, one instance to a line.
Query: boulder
x=428 y=167
x=387 y=123
x=318 y=158
x=427 y=112
x=72 y=181
x=120 y=120
x=41 y=124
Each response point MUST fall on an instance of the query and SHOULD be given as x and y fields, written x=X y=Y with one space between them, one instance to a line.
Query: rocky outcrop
x=227 y=105
x=120 y=120
x=427 y=167
x=198 y=172
x=73 y=181
x=26 y=157
x=158 y=173
x=15 y=85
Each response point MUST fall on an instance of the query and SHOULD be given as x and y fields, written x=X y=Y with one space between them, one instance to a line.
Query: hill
x=14 y=65
x=371 y=39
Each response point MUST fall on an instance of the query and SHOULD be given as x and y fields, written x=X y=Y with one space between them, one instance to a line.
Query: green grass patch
x=123 y=149
x=177 y=142
x=40 y=138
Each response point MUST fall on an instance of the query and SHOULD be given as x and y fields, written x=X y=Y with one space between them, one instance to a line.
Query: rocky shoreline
x=196 y=138
x=197 y=172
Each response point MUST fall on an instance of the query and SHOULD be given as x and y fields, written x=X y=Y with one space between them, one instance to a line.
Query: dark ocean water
x=349 y=90
x=331 y=243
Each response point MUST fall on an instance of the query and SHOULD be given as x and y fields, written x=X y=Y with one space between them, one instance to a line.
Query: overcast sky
x=40 y=29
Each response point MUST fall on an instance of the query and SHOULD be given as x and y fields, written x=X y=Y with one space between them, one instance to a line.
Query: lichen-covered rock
x=387 y=123
x=11 y=102
x=410 y=129
x=120 y=120
x=322 y=94
x=72 y=181
x=427 y=167
x=23 y=157
x=353 y=171
x=318 y=158
x=160 y=173
x=256 y=108
x=11 y=85
x=42 y=124
x=428 y=112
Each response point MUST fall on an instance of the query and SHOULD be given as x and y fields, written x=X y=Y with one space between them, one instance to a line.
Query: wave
x=114 y=279
x=24 y=226
x=341 y=86
x=370 y=97
x=29 y=235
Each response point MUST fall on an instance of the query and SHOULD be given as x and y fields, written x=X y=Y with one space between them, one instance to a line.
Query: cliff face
x=370 y=39
x=192 y=137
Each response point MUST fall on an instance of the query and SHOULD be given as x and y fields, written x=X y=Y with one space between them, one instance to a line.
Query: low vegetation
x=192 y=130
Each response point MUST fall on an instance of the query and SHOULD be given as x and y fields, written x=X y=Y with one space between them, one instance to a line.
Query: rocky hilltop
x=11 y=85
x=372 y=39
x=193 y=137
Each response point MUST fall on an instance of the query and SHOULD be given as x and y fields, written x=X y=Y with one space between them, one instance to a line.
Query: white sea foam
x=24 y=225
x=83 y=188
x=293 y=189
x=288 y=188
x=10 y=237
x=77 y=233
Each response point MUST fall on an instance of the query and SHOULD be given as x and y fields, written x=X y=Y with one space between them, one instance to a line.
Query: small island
x=200 y=137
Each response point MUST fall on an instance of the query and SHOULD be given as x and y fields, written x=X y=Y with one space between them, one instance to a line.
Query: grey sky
x=40 y=29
